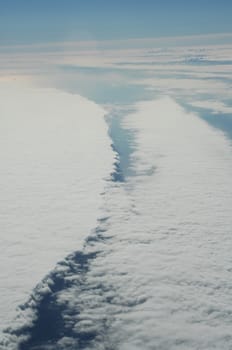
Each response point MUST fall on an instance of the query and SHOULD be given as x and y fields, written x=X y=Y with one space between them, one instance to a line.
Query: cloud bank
x=155 y=274
x=55 y=159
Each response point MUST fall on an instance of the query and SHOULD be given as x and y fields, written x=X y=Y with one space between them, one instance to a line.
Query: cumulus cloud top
x=55 y=157
x=155 y=274
x=166 y=268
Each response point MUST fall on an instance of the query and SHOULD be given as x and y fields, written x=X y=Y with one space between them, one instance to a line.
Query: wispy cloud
x=180 y=66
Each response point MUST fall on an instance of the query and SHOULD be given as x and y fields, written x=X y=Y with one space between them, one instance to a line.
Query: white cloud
x=168 y=266
x=161 y=278
x=55 y=158
x=215 y=106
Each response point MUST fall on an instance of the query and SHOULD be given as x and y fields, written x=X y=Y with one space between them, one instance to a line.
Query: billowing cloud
x=155 y=274
x=55 y=158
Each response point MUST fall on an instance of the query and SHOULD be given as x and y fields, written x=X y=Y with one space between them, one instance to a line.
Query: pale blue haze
x=54 y=20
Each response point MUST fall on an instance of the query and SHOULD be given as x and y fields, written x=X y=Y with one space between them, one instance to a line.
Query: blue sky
x=25 y=21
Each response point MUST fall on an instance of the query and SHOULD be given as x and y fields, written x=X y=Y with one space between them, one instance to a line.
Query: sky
x=27 y=21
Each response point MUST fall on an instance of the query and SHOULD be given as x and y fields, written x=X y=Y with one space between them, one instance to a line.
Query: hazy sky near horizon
x=24 y=21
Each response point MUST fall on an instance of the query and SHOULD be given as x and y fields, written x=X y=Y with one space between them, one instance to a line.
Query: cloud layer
x=155 y=274
x=55 y=158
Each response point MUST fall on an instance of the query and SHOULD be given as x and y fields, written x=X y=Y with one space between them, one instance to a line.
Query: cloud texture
x=55 y=158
